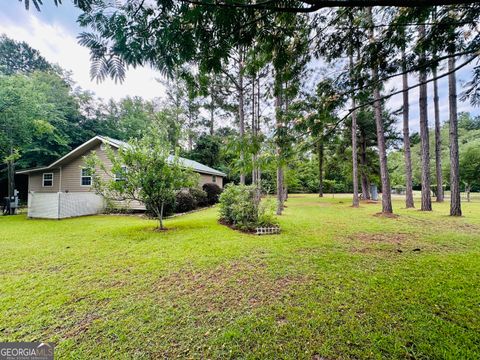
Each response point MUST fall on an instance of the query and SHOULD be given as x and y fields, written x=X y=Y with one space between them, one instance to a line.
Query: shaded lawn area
x=337 y=283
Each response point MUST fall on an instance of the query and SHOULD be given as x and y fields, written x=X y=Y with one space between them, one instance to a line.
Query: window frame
x=85 y=176
x=43 y=179
x=214 y=178
x=124 y=169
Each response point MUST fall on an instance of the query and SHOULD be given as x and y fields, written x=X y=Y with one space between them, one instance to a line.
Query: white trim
x=43 y=179
x=28 y=171
x=52 y=165
x=103 y=140
x=82 y=176
x=60 y=180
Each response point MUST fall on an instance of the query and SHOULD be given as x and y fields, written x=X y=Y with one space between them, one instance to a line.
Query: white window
x=47 y=180
x=120 y=176
x=214 y=178
x=86 y=177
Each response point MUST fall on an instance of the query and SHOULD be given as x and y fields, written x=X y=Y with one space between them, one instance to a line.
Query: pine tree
x=355 y=200
x=426 y=203
x=377 y=106
x=409 y=203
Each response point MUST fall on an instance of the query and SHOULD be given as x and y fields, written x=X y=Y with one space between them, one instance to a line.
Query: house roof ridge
x=195 y=165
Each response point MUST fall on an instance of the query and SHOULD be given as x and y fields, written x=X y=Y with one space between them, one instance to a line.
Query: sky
x=54 y=31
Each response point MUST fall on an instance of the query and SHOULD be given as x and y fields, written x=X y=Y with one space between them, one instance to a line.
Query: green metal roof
x=196 y=166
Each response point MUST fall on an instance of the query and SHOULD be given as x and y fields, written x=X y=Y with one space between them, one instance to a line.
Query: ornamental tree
x=143 y=170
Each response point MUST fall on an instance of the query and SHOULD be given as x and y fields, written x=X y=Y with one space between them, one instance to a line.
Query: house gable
x=67 y=170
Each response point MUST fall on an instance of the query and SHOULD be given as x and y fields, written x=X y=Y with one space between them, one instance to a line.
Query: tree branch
x=412 y=69
x=350 y=111
x=315 y=5
x=370 y=102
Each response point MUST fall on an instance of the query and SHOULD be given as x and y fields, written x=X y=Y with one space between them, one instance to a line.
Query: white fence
x=63 y=205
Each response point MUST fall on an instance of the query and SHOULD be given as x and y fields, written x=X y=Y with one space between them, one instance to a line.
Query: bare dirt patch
x=369 y=202
x=383 y=244
x=388 y=244
x=385 y=238
x=386 y=215
x=82 y=326
x=447 y=224
x=372 y=250
x=233 y=286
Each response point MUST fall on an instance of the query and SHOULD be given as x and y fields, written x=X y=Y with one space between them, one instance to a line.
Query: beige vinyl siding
x=71 y=172
x=71 y=175
x=206 y=178
x=35 y=181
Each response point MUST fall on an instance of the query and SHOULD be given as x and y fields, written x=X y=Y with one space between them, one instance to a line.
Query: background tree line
x=250 y=63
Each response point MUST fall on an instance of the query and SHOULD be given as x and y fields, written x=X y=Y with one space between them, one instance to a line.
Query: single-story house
x=64 y=188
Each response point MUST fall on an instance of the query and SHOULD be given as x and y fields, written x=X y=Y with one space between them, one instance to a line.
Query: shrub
x=239 y=207
x=332 y=186
x=266 y=211
x=184 y=201
x=213 y=192
x=199 y=196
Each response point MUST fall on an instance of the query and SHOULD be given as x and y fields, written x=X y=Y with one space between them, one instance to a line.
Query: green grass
x=337 y=283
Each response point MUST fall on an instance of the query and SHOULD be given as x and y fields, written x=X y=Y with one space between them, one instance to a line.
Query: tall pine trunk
x=426 y=204
x=382 y=148
x=363 y=167
x=409 y=203
x=280 y=175
x=355 y=200
x=257 y=132
x=320 y=167
x=280 y=190
x=11 y=179
x=212 y=109
x=254 y=134
x=438 y=140
x=455 y=200
x=241 y=115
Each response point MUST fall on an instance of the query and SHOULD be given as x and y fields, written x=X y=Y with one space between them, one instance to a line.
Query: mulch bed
x=233 y=227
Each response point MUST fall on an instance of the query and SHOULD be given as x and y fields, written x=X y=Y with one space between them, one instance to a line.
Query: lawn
x=337 y=283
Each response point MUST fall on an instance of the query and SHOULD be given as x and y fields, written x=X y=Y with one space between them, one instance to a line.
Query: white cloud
x=59 y=45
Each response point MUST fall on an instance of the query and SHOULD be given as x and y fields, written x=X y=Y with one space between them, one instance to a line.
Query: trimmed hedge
x=199 y=196
x=184 y=201
x=187 y=200
x=213 y=192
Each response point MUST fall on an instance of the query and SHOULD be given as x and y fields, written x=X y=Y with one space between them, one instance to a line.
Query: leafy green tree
x=22 y=118
x=468 y=122
x=18 y=57
x=61 y=112
x=470 y=166
x=206 y=151
x=135 y=117
x=317 y=117
x=143 y=171
x=286 y=47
